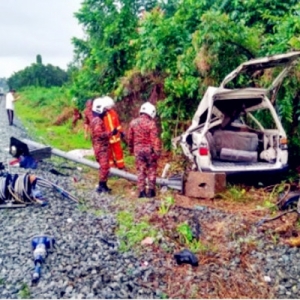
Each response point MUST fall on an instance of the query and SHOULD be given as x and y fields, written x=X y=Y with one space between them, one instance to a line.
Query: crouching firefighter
x=100 y=140
x=144 y=143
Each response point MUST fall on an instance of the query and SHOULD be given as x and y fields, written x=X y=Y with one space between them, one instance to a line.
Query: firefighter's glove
x=114 y=132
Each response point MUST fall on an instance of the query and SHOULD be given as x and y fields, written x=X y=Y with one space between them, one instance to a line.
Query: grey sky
x=31 y=27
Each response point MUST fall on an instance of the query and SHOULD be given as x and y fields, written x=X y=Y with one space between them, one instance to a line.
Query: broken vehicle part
x=291 y=200
x=231 y=119
x=41 y=245
x=23 y=189
x=186 y=257
x=17 y=149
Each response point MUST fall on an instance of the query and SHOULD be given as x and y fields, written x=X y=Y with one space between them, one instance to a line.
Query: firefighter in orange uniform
x=111 y=121
x=87 y=117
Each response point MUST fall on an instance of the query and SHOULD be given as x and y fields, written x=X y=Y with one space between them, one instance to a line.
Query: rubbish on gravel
x=186 y=257
x=40 y=244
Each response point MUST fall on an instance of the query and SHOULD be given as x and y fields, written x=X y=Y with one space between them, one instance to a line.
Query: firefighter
x=144 y=143
x=100 y=140
x=88 y=116
x=111 y=121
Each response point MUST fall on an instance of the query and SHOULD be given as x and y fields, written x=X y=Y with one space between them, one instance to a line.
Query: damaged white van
x=238 y=130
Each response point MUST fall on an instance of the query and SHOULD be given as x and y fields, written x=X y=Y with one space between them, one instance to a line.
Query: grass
x=166 y=205
x=131 y=233
x=24 y=292
x=38 y=108
x=186 y=234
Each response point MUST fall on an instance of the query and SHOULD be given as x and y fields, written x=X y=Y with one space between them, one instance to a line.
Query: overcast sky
x=31 y=27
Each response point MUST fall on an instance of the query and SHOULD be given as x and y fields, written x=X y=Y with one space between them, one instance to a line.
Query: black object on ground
x=55 y=172
x=186 y=257
x=291 y=200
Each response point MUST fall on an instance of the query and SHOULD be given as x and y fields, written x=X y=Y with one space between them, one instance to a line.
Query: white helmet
x=148 y=109
x=101 y=104
x=110 y=102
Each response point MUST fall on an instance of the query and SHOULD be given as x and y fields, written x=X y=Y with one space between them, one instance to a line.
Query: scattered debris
x=144 y=264
x=55 y=172
x=147 y=241
x=265 y=220
x=18 y=148
x=40 y=244
x=293 y=242
x=291 y=199
x=204 y=185
x=81 y=153
x=186 y=257
x=23 y=189
x=267 y=278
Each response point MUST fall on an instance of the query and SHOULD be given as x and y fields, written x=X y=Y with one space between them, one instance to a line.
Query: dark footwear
x=99 y=190
x=142 y=194
x=151 y=194
x=104 y=187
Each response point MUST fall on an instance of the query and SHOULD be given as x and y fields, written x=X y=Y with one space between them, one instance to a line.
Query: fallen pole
x=175 y=183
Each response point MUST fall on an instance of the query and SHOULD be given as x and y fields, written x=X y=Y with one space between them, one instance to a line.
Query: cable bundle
x=3 y=189
x=19 y=188
x=45 y=183
x=23 y=189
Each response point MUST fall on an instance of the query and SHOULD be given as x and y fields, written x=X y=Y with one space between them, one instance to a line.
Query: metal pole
x=175 y=183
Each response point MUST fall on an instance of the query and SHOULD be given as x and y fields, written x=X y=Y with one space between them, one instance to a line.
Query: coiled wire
x=19 y=188
x=2 y=188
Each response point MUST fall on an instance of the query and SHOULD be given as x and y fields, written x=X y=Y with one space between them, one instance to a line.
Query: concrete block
x=204 y=185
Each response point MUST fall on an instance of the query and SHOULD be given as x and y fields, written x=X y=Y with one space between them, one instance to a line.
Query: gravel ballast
x=87 y=262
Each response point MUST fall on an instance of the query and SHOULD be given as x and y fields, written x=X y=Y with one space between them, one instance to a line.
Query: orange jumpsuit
x=111 y=121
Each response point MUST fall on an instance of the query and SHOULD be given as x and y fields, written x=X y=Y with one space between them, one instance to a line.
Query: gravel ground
x=87 y=263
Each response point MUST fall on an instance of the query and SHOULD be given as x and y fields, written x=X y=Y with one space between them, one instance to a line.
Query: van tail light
x=283 y=141
x=283 y=144
x=203 y=151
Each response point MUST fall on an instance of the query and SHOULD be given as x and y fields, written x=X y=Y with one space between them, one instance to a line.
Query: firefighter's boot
x=151 y=193
x=142 y=194
x=105 y=188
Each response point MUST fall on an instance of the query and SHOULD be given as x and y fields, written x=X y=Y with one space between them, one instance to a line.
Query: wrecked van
x=238 y=130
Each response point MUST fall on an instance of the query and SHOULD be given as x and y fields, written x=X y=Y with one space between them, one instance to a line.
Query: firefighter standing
x=111 y=121
x=144 y=143
x=100 y=140
x=87 y=116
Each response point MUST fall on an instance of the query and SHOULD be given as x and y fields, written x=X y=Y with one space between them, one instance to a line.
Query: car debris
x=227 y=134
x=16 y=189
x=186 y=257
x=41 y=245
x=290 y=203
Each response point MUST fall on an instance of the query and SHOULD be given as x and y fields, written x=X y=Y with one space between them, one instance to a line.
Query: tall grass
x=38 y=108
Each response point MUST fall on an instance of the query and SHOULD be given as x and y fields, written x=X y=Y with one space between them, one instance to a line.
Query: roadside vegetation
x=170 y=54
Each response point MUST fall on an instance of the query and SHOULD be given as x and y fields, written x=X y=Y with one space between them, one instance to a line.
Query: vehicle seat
x=245 y=141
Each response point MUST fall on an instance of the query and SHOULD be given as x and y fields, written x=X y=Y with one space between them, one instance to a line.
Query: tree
x=38 y=75
x=39 y=59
